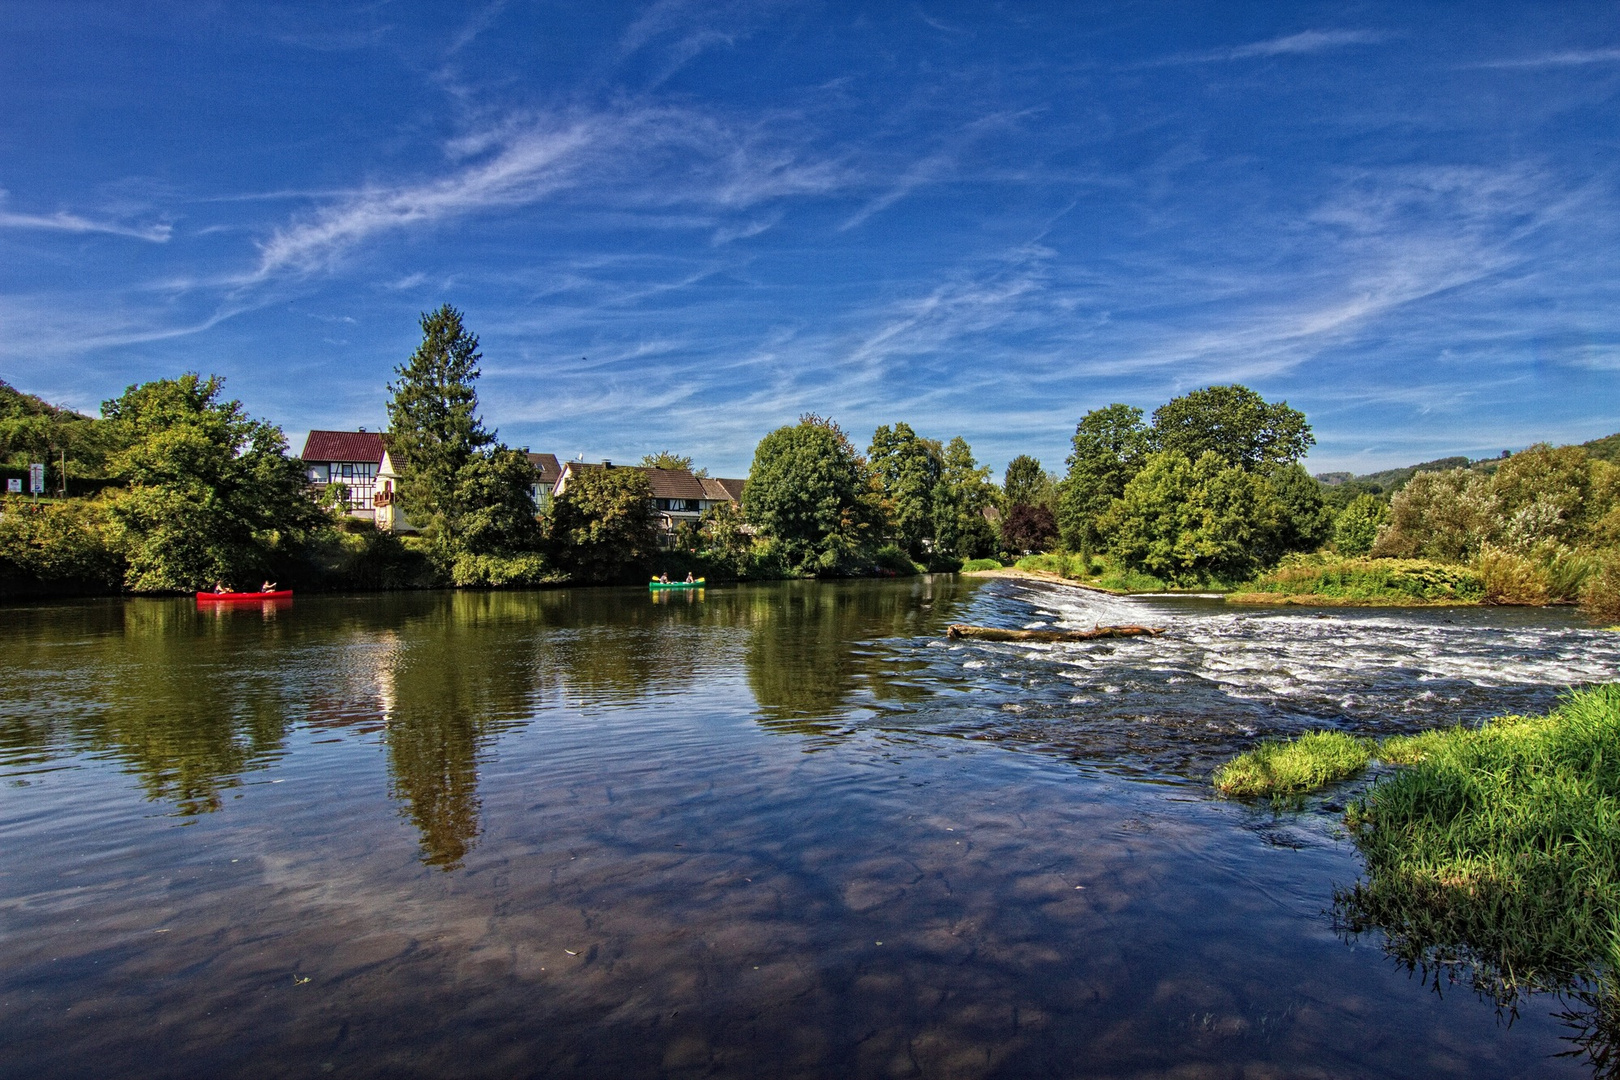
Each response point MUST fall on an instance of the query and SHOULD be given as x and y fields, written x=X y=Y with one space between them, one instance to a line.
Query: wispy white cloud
x=63 y=221
x=1303 y=43
x=480 y=22
x=1569 y=58
x=645 y=157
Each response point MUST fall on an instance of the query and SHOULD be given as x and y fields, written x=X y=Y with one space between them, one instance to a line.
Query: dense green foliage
x=602 y=525
x=32 y=430
x=468 y=494
x=209 y=494
x=1109 y=446
x=1212 y=490
x=1234 y=423
x=1026 y=483
x=909 y=470
x=962 y=500
x=1188 y=521
x=811 y=493
x=1356 y=526
x=56 y=543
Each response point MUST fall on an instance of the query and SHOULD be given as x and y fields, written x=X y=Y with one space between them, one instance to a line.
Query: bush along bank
x=1328 y=580
x=1494 y=848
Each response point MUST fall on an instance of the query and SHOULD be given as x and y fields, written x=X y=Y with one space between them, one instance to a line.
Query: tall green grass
x=1491 y=852
x=1500 y=845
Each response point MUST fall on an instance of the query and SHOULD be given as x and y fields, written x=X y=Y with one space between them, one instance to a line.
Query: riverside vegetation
x=174 y=488
x=1491 y=850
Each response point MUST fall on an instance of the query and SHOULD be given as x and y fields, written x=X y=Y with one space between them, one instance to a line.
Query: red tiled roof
x=344 y=446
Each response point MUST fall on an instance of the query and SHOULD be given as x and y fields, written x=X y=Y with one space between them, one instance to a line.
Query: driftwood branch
x=956 y=631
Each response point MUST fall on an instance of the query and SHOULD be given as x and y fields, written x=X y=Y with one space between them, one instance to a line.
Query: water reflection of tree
x=811 y=645
x=169 y=695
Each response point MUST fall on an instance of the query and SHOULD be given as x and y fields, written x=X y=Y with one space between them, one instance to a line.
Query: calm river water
x=778 y=830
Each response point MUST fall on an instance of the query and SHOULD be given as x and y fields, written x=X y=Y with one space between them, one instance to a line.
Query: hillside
x=1605 y=449
x=1389 y=481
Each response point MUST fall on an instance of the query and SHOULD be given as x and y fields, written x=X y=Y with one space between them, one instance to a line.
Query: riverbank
x=1272 y=599
x=1042 y=575
x=1499 y=845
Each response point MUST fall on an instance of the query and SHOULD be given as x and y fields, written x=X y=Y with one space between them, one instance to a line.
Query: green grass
x=1369 y=580
x=1501 y=845
x=981 y=564
x=1292 y=767
x=1497 y=847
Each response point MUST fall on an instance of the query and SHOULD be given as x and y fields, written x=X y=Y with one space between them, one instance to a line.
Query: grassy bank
x=1099 y=572
x=1327 y=580
x=1503 y=842
x=1498 y=846
x=1295 y=766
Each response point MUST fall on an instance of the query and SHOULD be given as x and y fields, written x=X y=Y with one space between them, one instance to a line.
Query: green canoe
x=658 y=586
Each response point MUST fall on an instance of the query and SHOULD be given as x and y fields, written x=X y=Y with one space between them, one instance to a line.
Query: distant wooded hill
x=1390 y=481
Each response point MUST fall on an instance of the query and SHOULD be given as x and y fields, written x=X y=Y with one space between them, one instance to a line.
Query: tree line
x=184 y=489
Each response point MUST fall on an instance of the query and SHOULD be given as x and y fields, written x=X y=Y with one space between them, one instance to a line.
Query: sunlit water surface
x=782 y=830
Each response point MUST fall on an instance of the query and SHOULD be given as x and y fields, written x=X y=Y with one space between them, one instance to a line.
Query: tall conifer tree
x=434 y=425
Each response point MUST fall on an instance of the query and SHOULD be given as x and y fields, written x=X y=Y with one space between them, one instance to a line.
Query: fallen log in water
x=957 y=631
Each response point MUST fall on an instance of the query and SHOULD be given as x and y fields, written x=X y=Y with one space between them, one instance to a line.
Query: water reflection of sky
x=579 y=832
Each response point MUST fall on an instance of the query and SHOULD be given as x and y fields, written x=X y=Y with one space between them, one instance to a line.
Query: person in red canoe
x=268 y=586
x=219 y=587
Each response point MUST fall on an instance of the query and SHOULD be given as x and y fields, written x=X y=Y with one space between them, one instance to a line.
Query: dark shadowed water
x=781 y=830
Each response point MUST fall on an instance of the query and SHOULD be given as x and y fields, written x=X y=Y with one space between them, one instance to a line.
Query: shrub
x=1439 y=515
x=1357 y=525
x=1510 y=578
x=524 y=568
x=57 y=542
x=1372 y=579
x=1600 y=595
x=891 y=560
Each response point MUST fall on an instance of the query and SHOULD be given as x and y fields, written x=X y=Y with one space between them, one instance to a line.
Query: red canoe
x=228 y=597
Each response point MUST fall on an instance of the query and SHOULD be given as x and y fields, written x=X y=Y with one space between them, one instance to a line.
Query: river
x=774 y=830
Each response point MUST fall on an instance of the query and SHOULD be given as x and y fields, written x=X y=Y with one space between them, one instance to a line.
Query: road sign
x=14 y=486
x=36 y=478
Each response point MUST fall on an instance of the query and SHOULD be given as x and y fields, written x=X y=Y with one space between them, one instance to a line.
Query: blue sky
x=679 y=225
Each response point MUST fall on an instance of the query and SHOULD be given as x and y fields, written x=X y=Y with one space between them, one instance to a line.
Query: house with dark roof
x=677 y=495
x=546 y=472
x=350 y=458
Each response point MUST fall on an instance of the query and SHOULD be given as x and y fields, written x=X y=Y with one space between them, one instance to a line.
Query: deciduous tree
x=1109 y=445
x=210 y=494
x=1236 y=424
x=809 y=492
x=909 y=468
x=602 y=525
